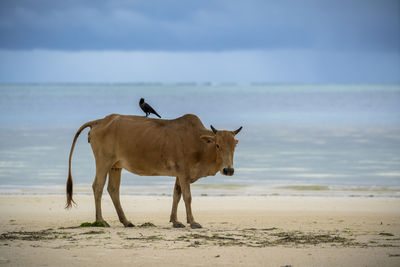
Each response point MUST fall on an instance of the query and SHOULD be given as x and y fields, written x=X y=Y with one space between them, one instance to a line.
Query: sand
x=237 y=231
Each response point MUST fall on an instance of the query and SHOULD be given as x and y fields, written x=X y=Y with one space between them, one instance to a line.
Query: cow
x=181 y=148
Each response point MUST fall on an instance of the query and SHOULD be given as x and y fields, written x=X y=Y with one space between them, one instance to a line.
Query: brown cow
x=182 y=148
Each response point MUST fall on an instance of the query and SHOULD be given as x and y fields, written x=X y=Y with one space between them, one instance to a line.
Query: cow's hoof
x=129 y=225
x=195 y=225
x=178 y=225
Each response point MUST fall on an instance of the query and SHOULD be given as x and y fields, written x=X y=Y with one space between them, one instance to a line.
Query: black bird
x=147 y=108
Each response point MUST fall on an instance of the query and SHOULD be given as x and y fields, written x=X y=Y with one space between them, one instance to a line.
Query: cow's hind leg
x=114 y=181
x=187 y=197
x=176 y=198
x=98 y=185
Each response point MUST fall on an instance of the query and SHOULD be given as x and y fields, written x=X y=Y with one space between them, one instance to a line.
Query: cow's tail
x=69 y=188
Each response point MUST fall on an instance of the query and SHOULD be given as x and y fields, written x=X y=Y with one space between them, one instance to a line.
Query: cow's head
x=225 y=143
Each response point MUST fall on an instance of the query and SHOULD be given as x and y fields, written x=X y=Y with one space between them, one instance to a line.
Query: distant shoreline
x=217 y=190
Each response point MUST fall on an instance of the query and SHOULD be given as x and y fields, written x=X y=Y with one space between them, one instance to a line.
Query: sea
x=297 y=139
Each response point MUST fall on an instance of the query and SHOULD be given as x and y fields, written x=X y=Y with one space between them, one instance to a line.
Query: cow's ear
x=208 y=138
x=236 y=141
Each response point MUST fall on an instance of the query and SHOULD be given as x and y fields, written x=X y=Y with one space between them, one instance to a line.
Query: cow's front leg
x=187 y=197
x=175 y=202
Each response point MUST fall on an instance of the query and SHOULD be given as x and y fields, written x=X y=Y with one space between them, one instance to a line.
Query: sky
x=321 y=41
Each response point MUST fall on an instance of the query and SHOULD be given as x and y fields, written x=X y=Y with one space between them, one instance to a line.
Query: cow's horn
x=237 y=131
x=214 y=130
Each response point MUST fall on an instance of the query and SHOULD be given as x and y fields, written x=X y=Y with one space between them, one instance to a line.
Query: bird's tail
x=157 y=114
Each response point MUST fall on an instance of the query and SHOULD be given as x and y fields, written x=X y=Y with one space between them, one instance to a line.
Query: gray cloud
x=171 y=25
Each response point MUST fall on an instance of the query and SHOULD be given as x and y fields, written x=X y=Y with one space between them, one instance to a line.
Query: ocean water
x=340 y=140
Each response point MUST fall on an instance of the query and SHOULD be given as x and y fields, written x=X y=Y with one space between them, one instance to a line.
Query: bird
x=147 y=108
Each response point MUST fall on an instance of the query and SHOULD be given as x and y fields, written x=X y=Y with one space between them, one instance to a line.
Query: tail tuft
x=69 y=192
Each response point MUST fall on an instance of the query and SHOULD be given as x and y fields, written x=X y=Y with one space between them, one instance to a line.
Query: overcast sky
x=180 y=41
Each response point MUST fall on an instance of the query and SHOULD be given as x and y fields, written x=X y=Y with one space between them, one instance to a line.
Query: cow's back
x=148 y=146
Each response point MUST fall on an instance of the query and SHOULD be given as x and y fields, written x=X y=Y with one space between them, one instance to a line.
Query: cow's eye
x=218 y=147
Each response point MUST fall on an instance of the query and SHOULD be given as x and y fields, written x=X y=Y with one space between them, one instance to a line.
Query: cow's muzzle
x=228 y=171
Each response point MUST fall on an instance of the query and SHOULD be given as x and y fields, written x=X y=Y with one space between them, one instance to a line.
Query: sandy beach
x=237 y=231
